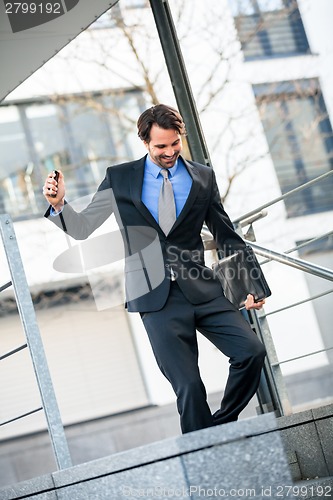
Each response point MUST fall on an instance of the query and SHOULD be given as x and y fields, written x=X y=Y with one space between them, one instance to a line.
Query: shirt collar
x=154 y=169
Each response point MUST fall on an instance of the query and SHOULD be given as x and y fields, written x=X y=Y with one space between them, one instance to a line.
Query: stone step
x=244 y=459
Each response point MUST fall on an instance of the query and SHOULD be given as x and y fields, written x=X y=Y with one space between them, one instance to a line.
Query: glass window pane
x=248 y=7
x=45 y=126
x=300 y=139
x=81 y=137
x=281 y=35
x=123 y=112
x=91 y=145
x=15 y=161
x=13 y=146
x=270 y=5
x=268 y=28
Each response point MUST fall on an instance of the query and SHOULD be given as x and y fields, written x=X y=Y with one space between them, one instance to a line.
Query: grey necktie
x=166 y=204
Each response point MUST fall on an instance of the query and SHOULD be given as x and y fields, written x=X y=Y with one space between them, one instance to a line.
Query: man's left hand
x=250 y=304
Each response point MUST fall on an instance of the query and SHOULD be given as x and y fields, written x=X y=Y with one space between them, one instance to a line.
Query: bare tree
x=127 y=49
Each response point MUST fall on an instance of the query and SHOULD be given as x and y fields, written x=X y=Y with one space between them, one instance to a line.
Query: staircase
x=259 y=457
x=241 y=460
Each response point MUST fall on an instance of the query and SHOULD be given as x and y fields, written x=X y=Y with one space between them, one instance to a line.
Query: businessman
x=166 y=199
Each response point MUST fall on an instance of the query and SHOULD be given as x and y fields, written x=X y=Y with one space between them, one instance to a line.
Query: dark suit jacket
x=149 y=252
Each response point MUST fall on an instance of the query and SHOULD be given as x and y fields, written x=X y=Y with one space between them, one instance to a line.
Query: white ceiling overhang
x=24 y=48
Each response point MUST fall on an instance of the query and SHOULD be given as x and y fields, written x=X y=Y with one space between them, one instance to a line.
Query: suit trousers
x=173 y=337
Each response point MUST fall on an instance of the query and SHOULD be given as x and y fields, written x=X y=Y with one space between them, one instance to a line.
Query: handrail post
x=272 y=393
x=34 y=341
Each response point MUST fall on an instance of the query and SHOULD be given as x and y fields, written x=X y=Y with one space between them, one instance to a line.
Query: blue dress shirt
x=152 y=182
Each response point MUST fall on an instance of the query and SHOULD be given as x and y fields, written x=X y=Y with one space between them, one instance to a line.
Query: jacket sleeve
x=220 y=225
x=80 y=225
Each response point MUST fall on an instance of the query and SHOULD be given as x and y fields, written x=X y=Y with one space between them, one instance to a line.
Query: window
x=80 y=135
x=269 y=28
x=300 y=140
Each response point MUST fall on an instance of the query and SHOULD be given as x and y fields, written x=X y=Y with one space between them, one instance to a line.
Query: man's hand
x=250 y=304
x=54 y=191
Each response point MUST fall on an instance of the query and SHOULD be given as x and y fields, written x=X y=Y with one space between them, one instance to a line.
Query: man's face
x=164 y=147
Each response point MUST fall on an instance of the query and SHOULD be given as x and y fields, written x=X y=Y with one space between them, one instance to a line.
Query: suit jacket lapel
x=136 y=190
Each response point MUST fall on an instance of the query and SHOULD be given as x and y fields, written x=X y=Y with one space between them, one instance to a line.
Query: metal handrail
x=299 y=303
x=302 y=265
x=14 y=351
x=283 y=197
x=320 y=351
x=35 y=345
x=302 y=245
x=253 y=218
x=272 y=390
x=5 y=286
x=27 y=414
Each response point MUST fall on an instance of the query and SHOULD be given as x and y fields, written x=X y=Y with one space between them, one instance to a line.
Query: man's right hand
x=54 y=191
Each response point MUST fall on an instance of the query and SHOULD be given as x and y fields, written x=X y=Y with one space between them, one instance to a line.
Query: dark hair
x=164 y=116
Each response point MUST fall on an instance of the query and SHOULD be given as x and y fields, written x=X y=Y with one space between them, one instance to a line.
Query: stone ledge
x=241 y=456
x=169 y=448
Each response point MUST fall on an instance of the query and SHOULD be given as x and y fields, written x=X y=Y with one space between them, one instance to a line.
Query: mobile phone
x=56 y=177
